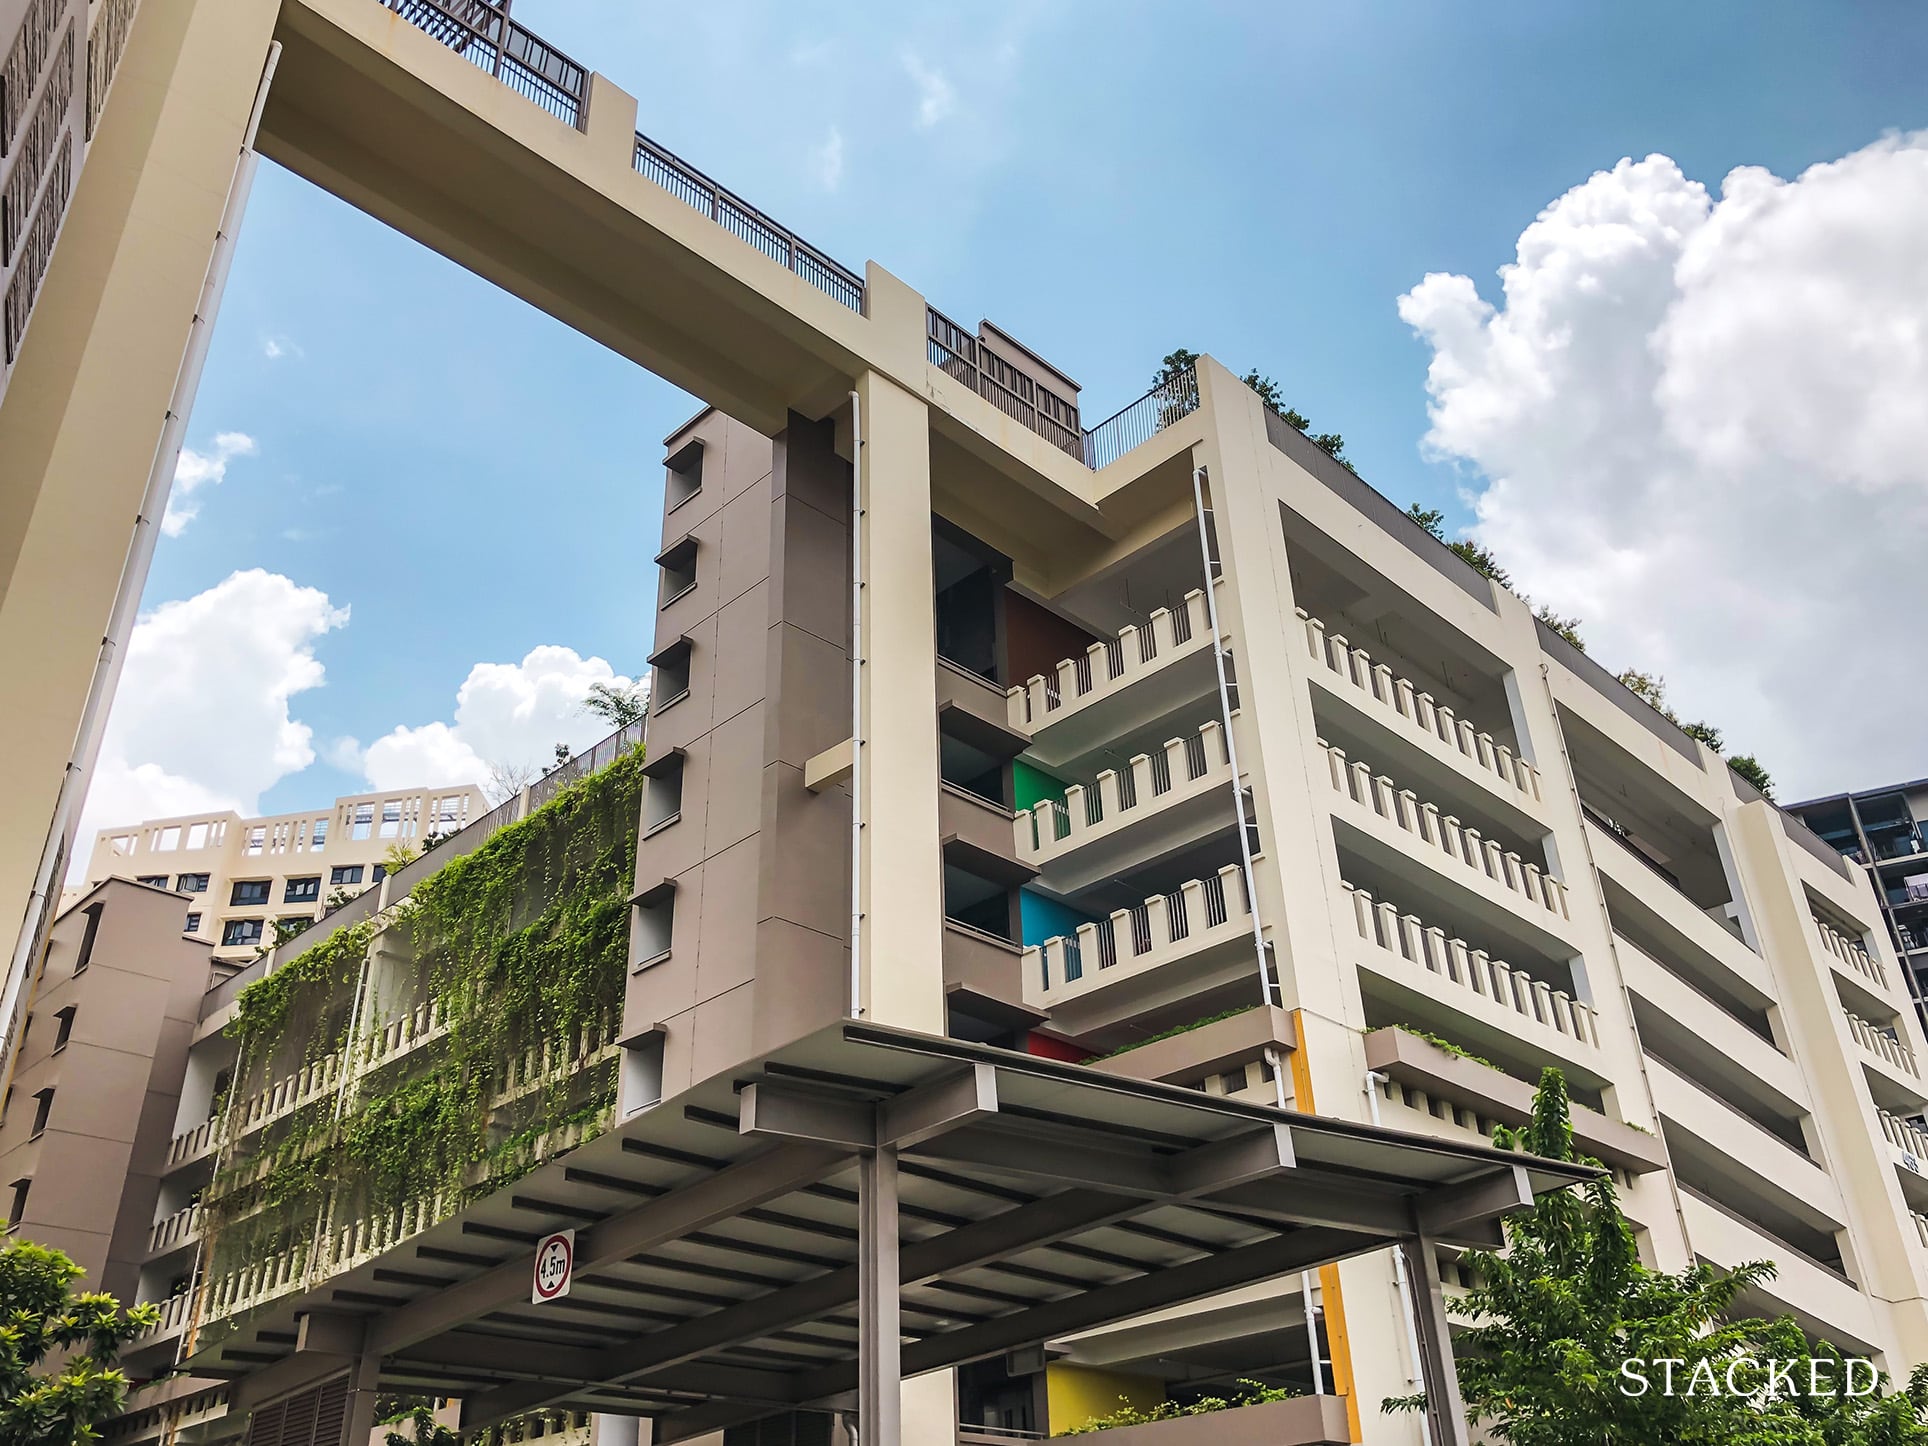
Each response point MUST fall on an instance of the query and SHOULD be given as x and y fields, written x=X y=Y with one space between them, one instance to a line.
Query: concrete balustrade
x=175 y=1311
x=1418 y=711
x=1427 y=947
x=1905 y=1135
x=1105 y=667
x=192 y=1144
x=1851 y=952
x=1882 y=1044
x=1444 y=832
x=1200 y=914
x=1183 y=768
x=180 y=1228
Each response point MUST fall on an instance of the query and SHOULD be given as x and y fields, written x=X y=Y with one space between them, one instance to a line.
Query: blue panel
x=1045 y=918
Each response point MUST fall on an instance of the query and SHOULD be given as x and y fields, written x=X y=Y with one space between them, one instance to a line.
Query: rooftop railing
x=953 y=350
x=481 y=32
x=1144 y=419
x=746 y=223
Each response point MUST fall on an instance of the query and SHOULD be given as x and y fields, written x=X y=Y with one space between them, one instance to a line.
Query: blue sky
x=472 y=480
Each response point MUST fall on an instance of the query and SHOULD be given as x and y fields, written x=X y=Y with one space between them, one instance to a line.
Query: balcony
x=1907 y=1137
x=1677 y=1018
x=1822 y=1299
x=1884 y=1045
x=1146 y=958
x=1851 y=952
x=285 y=1095
x=255 y=1284
x=1393 y=701
x=1178 y=789
x=1496 y=1007
x=1226 y=1056
x=1444 y=835
x=1424 y=1077
x=181 y=1228
x=175 y=1311
x=978 y=833
x=1087 y=700
x=983 y=977
x=195 y=1144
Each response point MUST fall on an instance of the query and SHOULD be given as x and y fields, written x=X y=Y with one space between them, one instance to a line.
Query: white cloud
x=1702 y=429
x=507 y=714
x=195 y=470
x=201 y=719
x=827 y=160
x=935 y=97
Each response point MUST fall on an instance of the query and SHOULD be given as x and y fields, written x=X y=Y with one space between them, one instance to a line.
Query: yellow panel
x=1076 y=1394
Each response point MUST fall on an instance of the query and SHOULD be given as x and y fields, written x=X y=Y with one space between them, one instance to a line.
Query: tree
x=1469 y=552
x=398 y=856
x=60 y=1405
x=618 y=707
x=1748 y=767
x=1568 y=628
x=424 y=1430
x=507 y=779
x=560 y=756
x=1178 y=363
x=1554 y=1318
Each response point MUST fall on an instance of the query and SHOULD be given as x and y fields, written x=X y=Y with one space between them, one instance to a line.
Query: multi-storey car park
x=1886 y=831
x=244 y=876
x=1058 y=853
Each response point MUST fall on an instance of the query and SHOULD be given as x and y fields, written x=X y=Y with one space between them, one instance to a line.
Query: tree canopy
x=57 y=1349
x=1554 y=1319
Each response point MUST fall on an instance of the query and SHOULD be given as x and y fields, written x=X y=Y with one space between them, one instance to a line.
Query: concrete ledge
x=1206 y=1049
x=1304 y=1421
x=1413 y=1061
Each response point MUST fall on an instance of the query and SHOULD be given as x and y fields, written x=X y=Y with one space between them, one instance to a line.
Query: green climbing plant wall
x=457 y=1047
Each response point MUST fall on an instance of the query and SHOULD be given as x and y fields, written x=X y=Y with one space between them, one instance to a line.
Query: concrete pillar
x=903 y=881
x=879 y=1334
x=1445 y=1411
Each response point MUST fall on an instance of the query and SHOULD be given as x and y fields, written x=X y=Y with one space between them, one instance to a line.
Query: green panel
x=1032 y=785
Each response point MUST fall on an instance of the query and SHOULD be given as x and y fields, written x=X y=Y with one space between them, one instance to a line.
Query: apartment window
x=685 y=476
x=345 y=874
x=318 y=838
x=88 y=937
x=377 y=872
x=250 y=891
x=302 y=891
x=193 y=924
x=678 y=563
x=654 y=924
x=153 y=881
x=63 y=1027
x=43 y=1104
x=672 y=683
x=240 y=931
x=190 y=883
x=663 y=792
x=257 y=840
x=361 y=821
x=18 y=1209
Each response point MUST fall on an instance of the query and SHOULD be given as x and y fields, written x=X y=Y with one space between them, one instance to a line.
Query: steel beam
x=729 y=1192
x=1445 y=1411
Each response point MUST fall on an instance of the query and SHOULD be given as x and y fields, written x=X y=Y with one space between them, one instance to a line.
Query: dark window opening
x=302 y=891
x=685 y=476
x=64 y=1027
x=43 y=1103
x=250 y=891
x=663 y=793
x=191 y=884
x=88 y=938
x=345 y=874
x=678 y=564
x=240 y=931
x=18 y=1209
x=672 y=681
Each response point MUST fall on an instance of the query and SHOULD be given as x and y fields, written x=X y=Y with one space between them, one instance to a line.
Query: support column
x=902 y=980
x=363 y=1386
x=1445 y=1411
x=879 y=1336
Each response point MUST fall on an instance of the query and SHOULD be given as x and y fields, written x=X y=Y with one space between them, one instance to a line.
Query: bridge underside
x=740 y=1249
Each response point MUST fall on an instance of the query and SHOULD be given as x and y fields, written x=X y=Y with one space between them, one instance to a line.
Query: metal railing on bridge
x=746 y=223
x=482 y=32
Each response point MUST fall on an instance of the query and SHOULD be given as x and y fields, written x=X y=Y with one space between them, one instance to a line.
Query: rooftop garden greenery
x=504 y=971
x=1253 y=1393
x=1174 y=1031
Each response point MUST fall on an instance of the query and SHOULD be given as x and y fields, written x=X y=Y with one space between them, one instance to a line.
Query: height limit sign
x=555 y=1264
